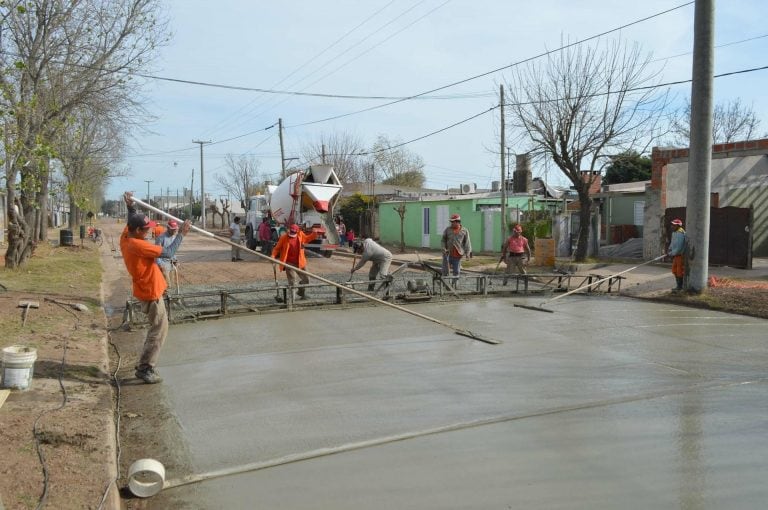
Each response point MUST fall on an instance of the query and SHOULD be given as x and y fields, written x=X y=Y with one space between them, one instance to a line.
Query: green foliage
x=353 y=208
x=628 y=167
x=536 y=225
x=410 y=178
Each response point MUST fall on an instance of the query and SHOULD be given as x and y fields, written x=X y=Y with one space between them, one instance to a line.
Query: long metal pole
x=456 y=329
x=700 y=156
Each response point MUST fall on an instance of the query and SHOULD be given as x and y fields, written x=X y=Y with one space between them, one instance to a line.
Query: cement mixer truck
x=306 y=198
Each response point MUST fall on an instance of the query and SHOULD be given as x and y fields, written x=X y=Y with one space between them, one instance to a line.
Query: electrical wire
x=35 y=427
x=423 y=94
x=597 y=94
x=118 y=395
x=519 y=62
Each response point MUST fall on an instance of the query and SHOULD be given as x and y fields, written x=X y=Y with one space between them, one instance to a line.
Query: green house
x=425 y=219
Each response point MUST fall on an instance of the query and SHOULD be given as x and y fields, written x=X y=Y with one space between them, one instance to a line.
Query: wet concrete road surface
x=606 y=403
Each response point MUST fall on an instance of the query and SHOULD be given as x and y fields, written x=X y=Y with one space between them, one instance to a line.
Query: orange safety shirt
x=282 y=249
x=140 y=259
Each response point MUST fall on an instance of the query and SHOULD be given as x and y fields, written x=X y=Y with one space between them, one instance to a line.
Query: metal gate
x=730 y=234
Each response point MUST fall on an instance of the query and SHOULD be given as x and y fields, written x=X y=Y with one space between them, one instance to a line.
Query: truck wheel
x=250 y=242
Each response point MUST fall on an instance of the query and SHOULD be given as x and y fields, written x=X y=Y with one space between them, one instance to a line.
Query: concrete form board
x=644 y=405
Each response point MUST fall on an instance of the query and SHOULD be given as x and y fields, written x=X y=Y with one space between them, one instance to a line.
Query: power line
x=465 y=80
x=597 y=94
x=329 y=61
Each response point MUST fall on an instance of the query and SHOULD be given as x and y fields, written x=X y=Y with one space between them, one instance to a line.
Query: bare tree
x=242 y=178
x=341 y=150
x=731 y=122
x=579 y=107
x=89 y=146
x=58 y=56
x=398 y=166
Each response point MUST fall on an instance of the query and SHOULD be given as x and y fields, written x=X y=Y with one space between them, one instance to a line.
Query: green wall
x=471 y=218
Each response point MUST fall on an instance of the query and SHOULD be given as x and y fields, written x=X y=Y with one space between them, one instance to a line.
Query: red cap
x=173 y=224
x=678 y=222
x=455 y=217
x=293 y=230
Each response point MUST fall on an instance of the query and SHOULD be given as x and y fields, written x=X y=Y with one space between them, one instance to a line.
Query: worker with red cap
x=165 y=240
x=290 y=250
x=677 y=248
x=456 y=244
x=149 y=285
x=516 y=252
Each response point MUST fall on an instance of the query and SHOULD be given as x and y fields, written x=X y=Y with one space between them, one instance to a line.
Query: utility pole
x=148 y=189
x=191 y=194
x=323 y=154
x=202 y=179
x=282 y=149
x=503 y=173
x=700 y=160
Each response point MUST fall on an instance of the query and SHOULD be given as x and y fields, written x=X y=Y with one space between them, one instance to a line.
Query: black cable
x=497 y=69
x=117 y=414
x=35 y=431
x=597 y=94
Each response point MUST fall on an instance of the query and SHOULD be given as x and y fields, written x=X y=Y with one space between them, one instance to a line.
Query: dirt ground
x=77 y=435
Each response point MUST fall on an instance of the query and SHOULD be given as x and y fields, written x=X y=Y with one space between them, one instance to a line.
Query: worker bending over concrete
x=380 y=258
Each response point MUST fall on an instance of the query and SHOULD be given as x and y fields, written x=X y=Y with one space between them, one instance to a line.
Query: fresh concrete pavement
x=609 y=402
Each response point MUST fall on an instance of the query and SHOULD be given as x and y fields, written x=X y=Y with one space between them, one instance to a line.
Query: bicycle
x=94 y=234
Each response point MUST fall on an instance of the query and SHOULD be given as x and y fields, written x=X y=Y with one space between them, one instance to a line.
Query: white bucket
x=146 y=477
x=18 y=366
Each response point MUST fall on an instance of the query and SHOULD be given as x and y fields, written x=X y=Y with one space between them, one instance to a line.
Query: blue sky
x=391 y=48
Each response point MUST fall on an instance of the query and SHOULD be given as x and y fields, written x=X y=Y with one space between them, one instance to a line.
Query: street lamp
x=148 y=189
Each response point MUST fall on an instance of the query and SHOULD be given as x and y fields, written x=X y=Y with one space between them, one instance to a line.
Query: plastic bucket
x=18 y=366
x=146 y=477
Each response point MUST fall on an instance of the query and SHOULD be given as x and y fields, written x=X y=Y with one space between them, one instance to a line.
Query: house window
x=639 y=210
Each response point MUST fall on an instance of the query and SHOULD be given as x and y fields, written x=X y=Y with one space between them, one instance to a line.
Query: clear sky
x=392 y=48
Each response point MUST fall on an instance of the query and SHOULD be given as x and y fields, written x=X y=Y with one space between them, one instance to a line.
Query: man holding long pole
x=140 y=257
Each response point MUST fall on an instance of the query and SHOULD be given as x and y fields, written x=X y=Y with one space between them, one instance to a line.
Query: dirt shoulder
x=56 y=437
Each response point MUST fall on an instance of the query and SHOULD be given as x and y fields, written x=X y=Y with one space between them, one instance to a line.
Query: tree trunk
x=20 y=244
x=585 y=216
x=42 y=200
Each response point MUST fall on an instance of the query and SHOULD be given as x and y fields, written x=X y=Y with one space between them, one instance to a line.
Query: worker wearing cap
x=165 y=240
x=676 y=250
x=140 y=258
x=455 y=243
x=290 y=250
x=516 y=252
x=380 y=258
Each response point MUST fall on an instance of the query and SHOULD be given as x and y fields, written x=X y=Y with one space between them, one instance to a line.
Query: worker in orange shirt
x=140 y=257
x=290 y=250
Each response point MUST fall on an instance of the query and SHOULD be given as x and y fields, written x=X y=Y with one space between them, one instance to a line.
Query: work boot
x=679 y=287
x=148 y=375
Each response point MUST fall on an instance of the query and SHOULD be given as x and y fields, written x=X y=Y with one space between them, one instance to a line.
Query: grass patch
x=63 y=270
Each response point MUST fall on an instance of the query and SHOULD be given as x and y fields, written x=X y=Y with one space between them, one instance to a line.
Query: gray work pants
x=158 y=331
